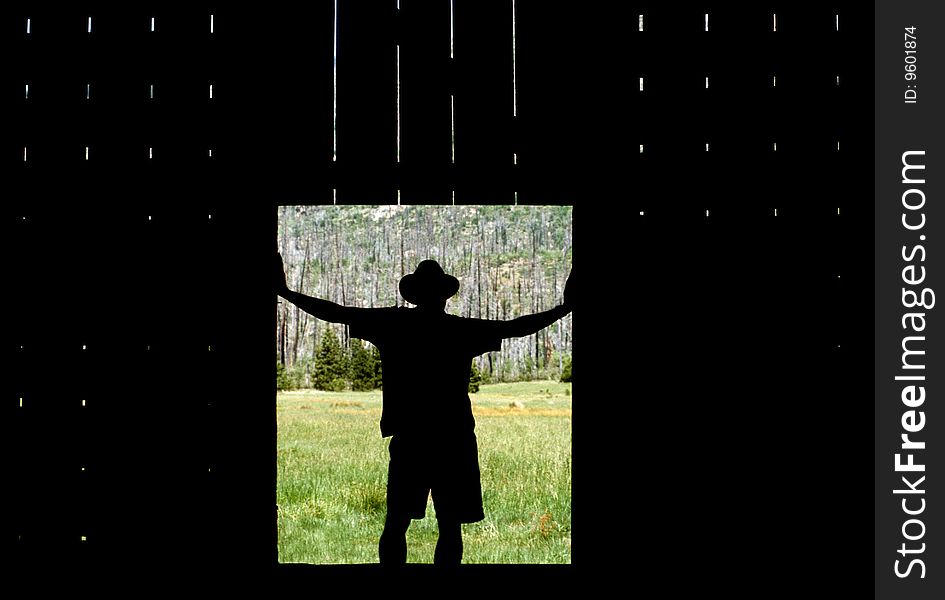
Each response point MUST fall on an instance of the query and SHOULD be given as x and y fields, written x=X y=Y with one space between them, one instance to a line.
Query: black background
x=725 y=440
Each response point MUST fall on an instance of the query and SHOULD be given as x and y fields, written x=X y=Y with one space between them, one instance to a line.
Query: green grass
x=332 y=477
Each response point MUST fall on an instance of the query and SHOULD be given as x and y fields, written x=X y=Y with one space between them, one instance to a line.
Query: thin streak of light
x=514 y=70
x=398 y=98
x=334 y=87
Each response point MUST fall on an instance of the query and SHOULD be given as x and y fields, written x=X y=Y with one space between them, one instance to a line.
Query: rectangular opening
x=332 y=460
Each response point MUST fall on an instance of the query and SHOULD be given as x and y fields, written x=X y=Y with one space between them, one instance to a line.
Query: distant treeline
x=510 y=261
x=359 y=368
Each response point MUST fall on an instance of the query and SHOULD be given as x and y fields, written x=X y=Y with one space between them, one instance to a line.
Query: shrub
x=527 y=367
x=486 y=376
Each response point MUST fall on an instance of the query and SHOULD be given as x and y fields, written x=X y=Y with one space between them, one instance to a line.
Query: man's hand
x=567 y=293
x=279 y=275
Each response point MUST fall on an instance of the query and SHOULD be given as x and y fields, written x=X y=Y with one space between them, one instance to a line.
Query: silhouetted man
x=426 y=356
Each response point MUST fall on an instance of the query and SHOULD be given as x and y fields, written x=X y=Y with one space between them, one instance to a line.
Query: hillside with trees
x=510 y=261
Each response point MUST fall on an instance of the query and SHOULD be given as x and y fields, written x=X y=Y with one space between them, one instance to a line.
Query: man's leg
x=392 y=548
x=449 y=546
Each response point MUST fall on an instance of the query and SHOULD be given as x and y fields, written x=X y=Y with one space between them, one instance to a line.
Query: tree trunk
x=298 y=312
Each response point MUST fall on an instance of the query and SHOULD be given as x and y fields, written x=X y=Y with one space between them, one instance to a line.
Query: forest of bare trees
x=510 y=261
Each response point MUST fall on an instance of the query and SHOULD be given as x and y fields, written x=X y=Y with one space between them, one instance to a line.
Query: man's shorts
x=447 y=466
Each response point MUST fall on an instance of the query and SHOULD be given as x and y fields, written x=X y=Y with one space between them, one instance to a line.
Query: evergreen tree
x=566 y=373
x=283 y=382
x=475 y=378
x=361 y=367
x=378 y=371
x=289 y=379
x=330 y=369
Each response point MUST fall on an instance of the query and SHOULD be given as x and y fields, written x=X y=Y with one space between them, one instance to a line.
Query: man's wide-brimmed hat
x=428 y=283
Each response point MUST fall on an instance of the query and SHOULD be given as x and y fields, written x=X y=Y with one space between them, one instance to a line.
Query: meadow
x=332 y=473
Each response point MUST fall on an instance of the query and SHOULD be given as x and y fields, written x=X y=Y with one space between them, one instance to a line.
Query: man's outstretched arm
x=318 y=308
x=530 y=324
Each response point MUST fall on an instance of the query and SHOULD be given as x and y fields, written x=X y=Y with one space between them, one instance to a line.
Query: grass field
x=332 y=466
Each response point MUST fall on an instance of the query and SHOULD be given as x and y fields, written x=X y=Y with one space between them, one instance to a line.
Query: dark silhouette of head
x=428 y=286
